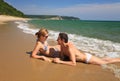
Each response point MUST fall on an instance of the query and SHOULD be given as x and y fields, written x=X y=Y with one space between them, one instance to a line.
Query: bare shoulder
x=38 y=43
x=70 y=44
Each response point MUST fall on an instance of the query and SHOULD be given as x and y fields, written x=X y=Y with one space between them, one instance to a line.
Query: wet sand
x=17 y=65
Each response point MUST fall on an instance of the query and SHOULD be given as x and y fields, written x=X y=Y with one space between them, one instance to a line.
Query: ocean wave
x=97 y=47
x=26 y=27
x=100 y=48
x=113 y=68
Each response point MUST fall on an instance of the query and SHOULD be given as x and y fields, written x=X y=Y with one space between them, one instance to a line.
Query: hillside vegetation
x=7 y=9
x=53 y=17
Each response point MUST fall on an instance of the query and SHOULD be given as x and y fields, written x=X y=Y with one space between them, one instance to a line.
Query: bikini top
x=45 y=48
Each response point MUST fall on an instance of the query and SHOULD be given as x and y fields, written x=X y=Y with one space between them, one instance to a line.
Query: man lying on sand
x=70 y=51
x=64 y=49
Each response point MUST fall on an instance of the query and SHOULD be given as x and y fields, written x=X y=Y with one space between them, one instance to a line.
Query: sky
x=84 y=9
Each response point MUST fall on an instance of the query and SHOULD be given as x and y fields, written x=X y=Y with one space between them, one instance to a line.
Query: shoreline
x=16 y=64
x=6 y=18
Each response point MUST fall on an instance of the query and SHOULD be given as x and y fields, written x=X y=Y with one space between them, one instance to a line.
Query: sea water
x=100 y=38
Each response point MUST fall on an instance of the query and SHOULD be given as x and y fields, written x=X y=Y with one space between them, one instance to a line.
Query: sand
x=17 y=65
x=4 y=18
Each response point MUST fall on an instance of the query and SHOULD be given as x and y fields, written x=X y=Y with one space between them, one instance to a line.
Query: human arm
x=57 y=60
x=35 y=51
x=72 y=61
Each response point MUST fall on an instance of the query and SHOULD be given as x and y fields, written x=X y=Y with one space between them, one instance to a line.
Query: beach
x=4 y=18
x=17 y=65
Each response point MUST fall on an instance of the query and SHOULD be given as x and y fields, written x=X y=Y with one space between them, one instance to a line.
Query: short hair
x=63 y=36
x=41 y=32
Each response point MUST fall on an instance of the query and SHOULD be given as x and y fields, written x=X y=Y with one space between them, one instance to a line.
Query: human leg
x=97 y=61
x=111 y=60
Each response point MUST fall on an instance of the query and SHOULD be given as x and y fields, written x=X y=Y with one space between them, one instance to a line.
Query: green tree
x=6 y=9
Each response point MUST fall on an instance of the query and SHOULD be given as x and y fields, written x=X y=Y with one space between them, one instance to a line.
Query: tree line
x=7 y=9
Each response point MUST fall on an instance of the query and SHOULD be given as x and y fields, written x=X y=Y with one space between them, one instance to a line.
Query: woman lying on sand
x=70 y=51
x=42 y=47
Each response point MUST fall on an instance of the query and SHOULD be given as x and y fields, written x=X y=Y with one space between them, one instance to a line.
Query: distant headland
x=7 y=9
x=52 y=17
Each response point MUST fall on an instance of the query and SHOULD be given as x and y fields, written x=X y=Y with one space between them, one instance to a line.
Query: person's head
x=42 y=34
x=63 y=37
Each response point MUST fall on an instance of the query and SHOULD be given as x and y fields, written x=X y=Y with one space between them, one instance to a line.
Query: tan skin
x=74 y=55
x=39 y=47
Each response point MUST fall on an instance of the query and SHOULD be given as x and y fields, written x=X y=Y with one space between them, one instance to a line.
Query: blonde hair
x=41 y=32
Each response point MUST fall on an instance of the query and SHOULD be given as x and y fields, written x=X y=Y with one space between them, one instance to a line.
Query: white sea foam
x=113 y=68
x=97 y=47
x=26 y=27
x=100 y=48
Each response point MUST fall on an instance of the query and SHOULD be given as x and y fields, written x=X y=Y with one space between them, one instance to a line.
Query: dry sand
x=17 y=65
x=4 y=18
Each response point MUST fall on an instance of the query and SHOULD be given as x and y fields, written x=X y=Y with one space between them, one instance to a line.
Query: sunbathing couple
x=64 y=50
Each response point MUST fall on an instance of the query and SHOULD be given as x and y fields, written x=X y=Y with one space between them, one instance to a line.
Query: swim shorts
x=88 y=57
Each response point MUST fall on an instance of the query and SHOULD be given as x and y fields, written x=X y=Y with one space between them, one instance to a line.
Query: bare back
x=78 y=54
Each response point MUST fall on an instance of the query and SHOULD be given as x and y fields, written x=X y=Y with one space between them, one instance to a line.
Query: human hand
x=46 y=59
x=56 y=60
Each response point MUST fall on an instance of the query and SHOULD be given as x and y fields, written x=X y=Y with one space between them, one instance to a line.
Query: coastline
x=5 y=18
x=16 y=64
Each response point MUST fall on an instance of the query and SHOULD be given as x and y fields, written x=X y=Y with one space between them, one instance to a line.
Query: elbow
x=33 y=56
